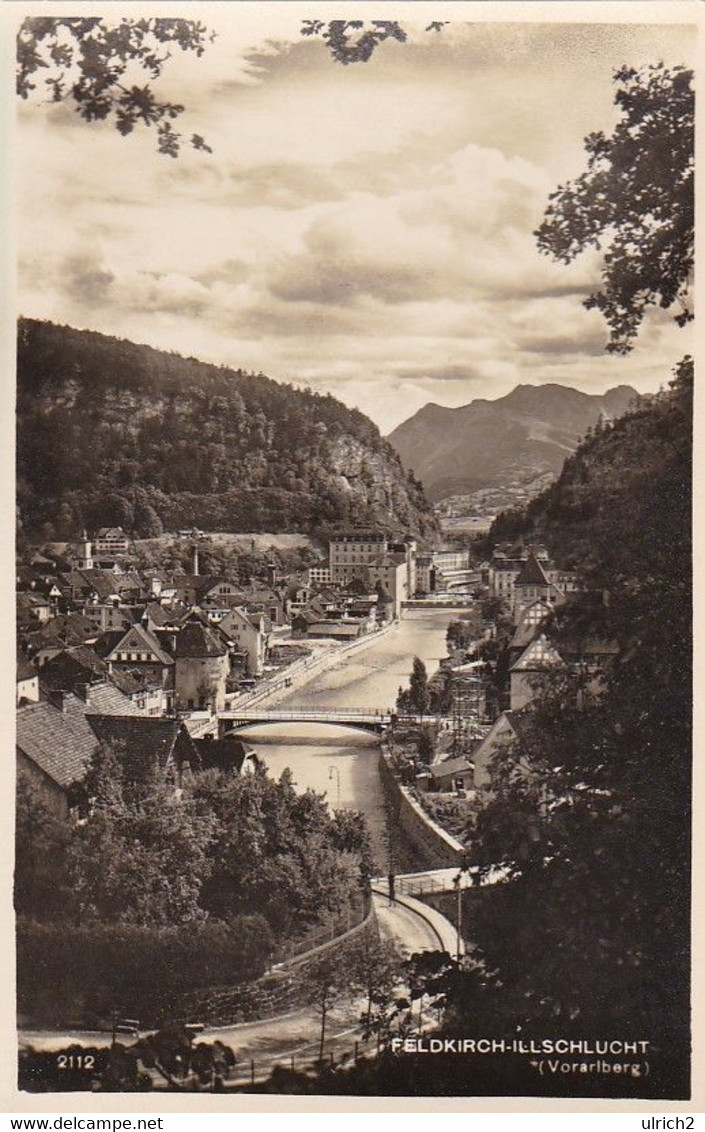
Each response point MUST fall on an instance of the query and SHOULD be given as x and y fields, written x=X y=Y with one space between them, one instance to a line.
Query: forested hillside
x=600 y=901
x=621 y=506
x=113 y=432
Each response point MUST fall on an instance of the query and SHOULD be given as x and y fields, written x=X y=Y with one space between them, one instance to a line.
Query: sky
x=362 y=230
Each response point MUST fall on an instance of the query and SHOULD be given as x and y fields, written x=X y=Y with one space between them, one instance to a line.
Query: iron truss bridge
x=346 y=717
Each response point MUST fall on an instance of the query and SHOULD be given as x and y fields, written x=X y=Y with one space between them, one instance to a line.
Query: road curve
x=414 y=926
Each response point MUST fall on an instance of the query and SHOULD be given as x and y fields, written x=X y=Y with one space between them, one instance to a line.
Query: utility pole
x=459 y=914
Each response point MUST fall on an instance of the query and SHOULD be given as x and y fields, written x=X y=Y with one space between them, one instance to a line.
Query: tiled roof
x=106 y=699
x=145 y=642
x=72 y=667
x=158 y=614
x=29 y=601
x=60 y=743
x=75 y=579
x=388 y=560
x=67 y=629
x=450 y=766
x=539 y=655
x=102 y=581
x=523 y=635
x=140 y=743
x=519 y=721
x=25 y=671
x=130 y=580
x=106 y=642
x=116 y=532
x=532 y=573
x=197 y=640
x=308 y=616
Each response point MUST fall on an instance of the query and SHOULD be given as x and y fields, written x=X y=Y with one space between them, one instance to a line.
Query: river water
x=338 y=761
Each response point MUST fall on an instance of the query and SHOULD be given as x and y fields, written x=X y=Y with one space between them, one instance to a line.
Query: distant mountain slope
x=112 y=432
x=620 y=509
x=486 y=443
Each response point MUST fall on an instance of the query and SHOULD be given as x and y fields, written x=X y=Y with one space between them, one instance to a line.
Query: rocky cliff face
x=112 y=432
x=522 y=436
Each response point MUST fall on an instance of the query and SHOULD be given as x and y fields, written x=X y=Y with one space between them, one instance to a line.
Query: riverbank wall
x=302 y=671
x=433 y=847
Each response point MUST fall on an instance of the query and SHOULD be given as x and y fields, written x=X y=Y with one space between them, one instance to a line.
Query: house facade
x=249 y=634
x=537 y=660
x=202 y=667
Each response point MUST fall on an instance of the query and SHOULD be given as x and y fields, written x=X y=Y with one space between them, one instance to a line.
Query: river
x=340 y=762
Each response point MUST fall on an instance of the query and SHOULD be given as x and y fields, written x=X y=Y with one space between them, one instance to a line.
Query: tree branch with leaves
x=635 y=202
x=100 y=69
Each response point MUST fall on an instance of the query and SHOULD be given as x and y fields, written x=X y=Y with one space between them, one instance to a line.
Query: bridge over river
x=363 y=718
x=353 y=701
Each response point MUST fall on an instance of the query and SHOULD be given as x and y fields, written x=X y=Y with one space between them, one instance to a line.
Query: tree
x=147 y=523
x=141 y=854
x=426 y=745
x=350 y=834
x=635 y=201
x=325 y=981
x=350 y=41
x=377 y=972
x=589 y=814
x=418 y=687
x=276 y=852
x=40 y=839
x=86 y=62
x=183 y=1063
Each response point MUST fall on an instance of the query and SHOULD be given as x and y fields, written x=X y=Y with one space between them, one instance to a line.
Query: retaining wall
x=434 y=846
x=301 y=671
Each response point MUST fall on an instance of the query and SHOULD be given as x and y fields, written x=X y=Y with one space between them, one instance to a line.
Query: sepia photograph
x=353 y=563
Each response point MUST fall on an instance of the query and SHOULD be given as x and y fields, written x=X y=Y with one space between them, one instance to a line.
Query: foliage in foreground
x=151 y=896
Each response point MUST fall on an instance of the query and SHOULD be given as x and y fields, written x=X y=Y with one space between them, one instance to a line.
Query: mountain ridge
x=525 y=434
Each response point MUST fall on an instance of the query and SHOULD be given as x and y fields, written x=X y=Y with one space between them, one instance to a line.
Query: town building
x=452 y=775
x=506 y=732
x=55 y=741
x=111 y=541
x=390 y=572
x=249 y=634
x=533 y=583
x=350 y=552
x=27 y=682
x=528 y=672
x=231 y=755
x=141 y=656
x=425 y=574
x=319 y=575
x=148 y=748
x=201 y=670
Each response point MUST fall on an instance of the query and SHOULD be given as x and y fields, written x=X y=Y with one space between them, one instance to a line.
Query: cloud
x=366 y=230
x=228 y=271
x=440 y=373
x=87 y=280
